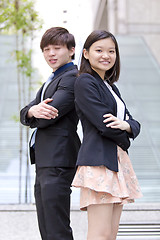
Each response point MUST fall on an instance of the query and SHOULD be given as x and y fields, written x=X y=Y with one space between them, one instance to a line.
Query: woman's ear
x=85 y=53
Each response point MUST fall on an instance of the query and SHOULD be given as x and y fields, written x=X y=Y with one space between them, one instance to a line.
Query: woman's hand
x=43 y=110
x=114 y=122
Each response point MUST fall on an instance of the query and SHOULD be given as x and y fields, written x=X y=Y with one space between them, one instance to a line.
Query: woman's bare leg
x=117 y=210
x=99 y=221
x=103 y=221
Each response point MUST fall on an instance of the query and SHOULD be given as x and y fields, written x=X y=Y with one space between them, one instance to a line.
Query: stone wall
x=138 y=17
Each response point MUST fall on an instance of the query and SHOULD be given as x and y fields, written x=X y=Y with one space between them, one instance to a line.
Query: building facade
x=128 y=17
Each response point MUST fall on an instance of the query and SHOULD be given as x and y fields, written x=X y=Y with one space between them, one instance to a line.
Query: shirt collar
x=62 y=68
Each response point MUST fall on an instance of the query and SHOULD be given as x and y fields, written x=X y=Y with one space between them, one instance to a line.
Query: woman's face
x=101 y=55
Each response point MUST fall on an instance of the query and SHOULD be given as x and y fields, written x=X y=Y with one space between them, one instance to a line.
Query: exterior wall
x=136 y=17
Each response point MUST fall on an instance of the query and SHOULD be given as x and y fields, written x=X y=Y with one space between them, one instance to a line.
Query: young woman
x=105 y=174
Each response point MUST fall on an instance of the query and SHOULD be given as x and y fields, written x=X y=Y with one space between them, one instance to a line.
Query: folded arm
x=48 y=112
x=115 y=123
x=130 y=125
x=43 y=110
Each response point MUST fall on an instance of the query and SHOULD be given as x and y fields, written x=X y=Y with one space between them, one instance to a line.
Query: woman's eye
x=112 y=51
x=99 y=50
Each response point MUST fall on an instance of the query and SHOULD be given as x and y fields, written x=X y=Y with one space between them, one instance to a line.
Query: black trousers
x=52 y=195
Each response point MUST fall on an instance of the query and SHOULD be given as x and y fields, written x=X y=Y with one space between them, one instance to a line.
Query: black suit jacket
x=57 y=142
x=99 y=147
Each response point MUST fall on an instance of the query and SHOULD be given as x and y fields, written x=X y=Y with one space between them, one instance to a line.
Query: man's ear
x=72 y=51
x=85 y=53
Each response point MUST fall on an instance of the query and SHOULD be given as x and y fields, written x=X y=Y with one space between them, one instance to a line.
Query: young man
x=54 y=144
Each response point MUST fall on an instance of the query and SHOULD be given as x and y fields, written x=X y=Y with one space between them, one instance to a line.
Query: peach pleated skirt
x=99 y=185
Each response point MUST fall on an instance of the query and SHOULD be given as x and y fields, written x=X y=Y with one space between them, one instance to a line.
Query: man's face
x=57 y=55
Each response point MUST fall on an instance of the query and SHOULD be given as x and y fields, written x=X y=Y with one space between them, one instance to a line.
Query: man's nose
x=51 y=52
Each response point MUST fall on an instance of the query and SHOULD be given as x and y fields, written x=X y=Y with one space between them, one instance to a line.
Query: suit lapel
x=52 y=87
x=38 y=96
x=53 y=83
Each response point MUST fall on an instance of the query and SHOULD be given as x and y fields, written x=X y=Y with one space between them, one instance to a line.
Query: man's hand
x=114 y=122
x=43 y=110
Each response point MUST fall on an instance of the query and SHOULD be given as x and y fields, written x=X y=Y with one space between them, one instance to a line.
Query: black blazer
x=93 y=99
x=57 y=142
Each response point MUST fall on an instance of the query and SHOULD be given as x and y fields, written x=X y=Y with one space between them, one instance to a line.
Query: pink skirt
x=99 y=185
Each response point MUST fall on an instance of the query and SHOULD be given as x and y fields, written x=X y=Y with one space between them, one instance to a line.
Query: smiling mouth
x=105 y=62
x=53 y=60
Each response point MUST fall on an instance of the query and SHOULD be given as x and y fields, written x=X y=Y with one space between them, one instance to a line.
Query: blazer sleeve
x=134 y=124
x=63 y=100
x=24 y=111
x=89 y=101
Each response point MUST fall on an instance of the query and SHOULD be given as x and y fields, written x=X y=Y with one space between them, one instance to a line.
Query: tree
x=19 y=17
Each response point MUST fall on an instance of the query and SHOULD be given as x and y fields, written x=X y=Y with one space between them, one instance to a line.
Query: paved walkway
x=19 y=222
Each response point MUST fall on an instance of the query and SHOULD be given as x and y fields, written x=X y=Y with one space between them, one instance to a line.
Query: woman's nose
x=105 y=55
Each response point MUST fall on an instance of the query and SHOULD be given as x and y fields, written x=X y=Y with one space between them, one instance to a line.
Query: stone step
x=143 y=237
x=139 y=229
x=138 y=222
